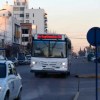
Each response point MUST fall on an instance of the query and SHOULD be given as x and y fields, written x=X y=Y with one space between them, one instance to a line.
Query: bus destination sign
x=47 y=36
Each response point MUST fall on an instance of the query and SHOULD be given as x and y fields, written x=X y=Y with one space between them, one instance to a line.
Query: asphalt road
x=54 y=87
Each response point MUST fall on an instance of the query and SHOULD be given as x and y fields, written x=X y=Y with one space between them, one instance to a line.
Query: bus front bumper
x=50 y=71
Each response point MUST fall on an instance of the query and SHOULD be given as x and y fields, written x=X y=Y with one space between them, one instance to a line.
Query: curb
x=76 y=96
x=88 y=76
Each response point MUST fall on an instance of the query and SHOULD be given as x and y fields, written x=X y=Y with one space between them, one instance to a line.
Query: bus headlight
x=33 y=62
x=63 y=63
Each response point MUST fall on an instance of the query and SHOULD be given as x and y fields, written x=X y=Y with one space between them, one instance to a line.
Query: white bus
x=50 y=53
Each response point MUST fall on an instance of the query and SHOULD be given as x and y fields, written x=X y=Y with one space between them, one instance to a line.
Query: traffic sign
x=93 y=36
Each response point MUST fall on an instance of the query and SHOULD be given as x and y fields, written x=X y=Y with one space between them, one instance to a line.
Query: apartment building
x=27 y=33
x=21 y=12
x=10 y=29
x=37 y=17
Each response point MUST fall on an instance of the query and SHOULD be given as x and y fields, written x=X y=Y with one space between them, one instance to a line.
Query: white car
x=93 y=59
x=10 y=81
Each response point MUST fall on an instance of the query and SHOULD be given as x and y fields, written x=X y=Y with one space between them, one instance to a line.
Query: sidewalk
x=87 y=89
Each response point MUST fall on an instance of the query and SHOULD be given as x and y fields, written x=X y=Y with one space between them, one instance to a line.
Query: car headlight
x=63 y=63
x=0 y=88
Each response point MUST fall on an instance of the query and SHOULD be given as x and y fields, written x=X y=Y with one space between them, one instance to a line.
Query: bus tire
x=64 y=75
x=36 y=74
x=68 y=73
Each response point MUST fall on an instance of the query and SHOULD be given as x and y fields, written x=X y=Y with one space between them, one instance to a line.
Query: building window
x=23 y=3
x=18 y=3
x=16 y=8
x=16 y=15
x=21 y=15
x=21 y=8
x=33 y=14
x=24 y=39
x=27 y=21
x=33 y=21
x=3 y=14
x=21 y=21
x=27 y=15
x=24 y=31
x=17 y=33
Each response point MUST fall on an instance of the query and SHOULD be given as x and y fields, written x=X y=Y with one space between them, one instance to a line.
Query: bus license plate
x=48 y=69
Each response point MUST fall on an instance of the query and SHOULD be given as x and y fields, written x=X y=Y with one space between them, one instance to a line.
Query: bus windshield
x=50 y=49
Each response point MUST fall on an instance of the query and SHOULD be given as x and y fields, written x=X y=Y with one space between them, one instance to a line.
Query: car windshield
x=2 y=70
x=1 y=57
x=51 y=49
x=21 y=58
x=11 y=58
x=28 y=56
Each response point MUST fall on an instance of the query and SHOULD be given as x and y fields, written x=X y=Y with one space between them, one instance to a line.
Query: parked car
x=14 y=60
x=28 y=57
x=10 y=81
x=93 y=59
x=90 y=55
x=22 y=60
x=1 y=57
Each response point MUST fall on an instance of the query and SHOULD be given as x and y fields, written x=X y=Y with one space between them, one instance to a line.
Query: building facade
x=37 y=17
x=26 y=33
x=20 y=13
x=10 y=33
x=10 y=29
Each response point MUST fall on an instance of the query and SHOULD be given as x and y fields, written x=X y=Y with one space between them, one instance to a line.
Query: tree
x=28 y=47
x=81 y=52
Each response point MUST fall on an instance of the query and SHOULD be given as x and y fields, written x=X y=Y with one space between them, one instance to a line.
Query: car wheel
x=19 y=96
x=6 y=97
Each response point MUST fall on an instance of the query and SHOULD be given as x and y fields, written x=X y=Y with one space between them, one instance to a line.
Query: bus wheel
x=36 y=74
x=64 y=75
x=68 y=73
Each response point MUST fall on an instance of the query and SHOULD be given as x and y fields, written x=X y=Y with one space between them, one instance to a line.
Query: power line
x=76 y=38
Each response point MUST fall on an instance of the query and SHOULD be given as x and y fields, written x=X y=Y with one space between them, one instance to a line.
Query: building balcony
x=45 y=20
x=45 y=14
x=46 y=30
x=45 y=26
x=45 y=17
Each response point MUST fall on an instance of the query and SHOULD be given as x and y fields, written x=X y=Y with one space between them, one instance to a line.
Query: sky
x=71 y=17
